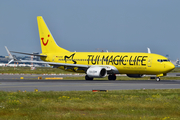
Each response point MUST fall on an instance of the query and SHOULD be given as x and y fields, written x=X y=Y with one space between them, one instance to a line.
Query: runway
x=82 y=85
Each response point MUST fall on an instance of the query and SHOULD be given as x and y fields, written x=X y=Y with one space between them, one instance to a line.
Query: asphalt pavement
x=83 y=85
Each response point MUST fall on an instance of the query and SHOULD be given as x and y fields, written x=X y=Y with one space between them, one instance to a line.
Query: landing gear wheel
x=88 y=78
x=112 y=77
x=158 y=79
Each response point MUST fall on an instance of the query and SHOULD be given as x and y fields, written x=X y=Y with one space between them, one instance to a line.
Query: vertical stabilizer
x=48 y=44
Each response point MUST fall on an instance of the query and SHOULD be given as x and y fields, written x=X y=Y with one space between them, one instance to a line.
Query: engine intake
x=96 y=72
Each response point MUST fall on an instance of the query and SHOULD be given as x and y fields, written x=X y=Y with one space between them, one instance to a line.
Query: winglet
x=10 y=56
x=149 y=51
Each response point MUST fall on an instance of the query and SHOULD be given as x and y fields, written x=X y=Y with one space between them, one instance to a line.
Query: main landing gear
x=88 y=78
x=112 y=77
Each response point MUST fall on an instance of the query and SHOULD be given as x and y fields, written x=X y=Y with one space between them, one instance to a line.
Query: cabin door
x=149 y=63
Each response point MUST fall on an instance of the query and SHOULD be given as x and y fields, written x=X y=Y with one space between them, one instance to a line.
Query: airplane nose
x=170 y=67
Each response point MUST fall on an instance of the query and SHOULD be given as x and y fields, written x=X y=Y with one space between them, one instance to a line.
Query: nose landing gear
x=158 y=79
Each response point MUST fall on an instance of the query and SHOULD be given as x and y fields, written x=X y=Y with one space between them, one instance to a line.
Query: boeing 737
x=99 y=64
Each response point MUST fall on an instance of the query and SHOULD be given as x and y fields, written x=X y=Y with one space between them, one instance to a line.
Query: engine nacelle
x=135 y=75
x=96 y=72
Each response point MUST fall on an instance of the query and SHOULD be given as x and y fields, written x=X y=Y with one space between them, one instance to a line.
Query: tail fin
x=48 y=44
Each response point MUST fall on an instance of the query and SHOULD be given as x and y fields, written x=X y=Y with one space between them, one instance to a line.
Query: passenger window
x=163 y=60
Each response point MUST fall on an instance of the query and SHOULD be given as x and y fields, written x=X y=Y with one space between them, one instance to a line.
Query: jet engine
x=96 y=72
x=135 y=75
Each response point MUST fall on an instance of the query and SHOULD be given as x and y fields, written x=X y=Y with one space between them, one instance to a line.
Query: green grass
x=46 y=70
x=27 y=70
x=80 y=105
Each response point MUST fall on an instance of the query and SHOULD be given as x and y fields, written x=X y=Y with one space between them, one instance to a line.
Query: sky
x=91 y=25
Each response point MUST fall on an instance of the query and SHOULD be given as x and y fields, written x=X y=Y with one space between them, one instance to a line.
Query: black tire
x=88 y=78
x=112 y=77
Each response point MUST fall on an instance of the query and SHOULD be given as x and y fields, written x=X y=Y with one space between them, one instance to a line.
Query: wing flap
x=57 y=64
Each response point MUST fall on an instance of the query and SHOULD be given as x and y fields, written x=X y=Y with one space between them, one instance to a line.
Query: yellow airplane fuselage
x=125 y=63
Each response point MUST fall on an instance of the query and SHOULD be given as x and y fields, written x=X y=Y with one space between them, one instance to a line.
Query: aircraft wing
x=66 y=65
x=50 y=63
x=29 y=54
x=57 y=64
x=69 y=66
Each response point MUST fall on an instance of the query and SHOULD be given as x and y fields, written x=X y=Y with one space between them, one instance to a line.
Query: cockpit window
x=163 y=60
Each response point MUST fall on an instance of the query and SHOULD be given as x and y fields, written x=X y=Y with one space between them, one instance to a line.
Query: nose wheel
x=158 y=79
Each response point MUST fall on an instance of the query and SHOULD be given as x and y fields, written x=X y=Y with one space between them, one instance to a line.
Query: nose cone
x=170 y=67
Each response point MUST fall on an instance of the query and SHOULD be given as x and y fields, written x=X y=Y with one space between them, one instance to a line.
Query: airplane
x=99 y=64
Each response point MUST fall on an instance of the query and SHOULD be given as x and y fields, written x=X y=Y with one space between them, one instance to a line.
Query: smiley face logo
x=46 y=41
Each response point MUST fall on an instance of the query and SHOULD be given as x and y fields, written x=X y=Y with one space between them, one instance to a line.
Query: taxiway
x=82 y=85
